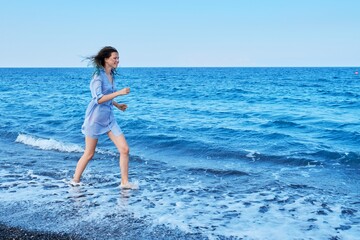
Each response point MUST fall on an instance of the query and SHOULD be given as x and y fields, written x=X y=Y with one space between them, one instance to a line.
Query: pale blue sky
x=162 y=33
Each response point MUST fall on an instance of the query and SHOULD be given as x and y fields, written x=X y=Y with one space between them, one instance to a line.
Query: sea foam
x=55 y=145
x=47 y=144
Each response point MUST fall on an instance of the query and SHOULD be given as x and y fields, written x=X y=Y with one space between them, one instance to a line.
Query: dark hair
x=98 y=60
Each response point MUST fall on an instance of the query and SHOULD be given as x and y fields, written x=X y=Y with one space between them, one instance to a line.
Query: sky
x=181 y=33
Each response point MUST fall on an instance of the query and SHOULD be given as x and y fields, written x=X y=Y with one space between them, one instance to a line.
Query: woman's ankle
x=77 y=180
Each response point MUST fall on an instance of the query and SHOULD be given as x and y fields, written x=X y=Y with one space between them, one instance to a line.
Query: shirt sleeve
x=96 y=88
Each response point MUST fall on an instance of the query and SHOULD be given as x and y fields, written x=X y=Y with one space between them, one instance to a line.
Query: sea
x=218 y=153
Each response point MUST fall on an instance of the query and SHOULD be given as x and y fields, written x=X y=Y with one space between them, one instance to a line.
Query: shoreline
x=11 y=232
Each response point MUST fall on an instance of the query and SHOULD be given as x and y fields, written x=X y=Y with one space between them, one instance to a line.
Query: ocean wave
x=7 y=135
x=282 y=124
x=340 y=157
x=219 y=172
x=205 y=150
x=47 y=144
x=55 y=145
x=345 y=135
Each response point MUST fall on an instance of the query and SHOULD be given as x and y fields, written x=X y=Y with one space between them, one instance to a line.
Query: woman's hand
x=121 y=106
x=124 y=91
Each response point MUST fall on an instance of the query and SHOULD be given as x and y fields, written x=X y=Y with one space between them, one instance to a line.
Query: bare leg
x=123 y=148
x=86 y=157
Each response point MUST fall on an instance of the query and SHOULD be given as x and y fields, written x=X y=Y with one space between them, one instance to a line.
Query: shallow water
x=252 y=153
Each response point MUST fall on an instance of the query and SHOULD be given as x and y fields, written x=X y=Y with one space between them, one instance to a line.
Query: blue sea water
x=219 y=153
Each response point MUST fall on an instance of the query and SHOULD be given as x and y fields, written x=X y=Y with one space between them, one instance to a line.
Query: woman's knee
x=88 y=155
x=125 y=150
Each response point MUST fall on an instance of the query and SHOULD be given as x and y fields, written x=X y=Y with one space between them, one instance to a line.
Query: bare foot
x=129 y=185
x=74 y=183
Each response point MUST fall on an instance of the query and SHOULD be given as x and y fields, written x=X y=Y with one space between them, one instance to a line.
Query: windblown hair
x=98 y=60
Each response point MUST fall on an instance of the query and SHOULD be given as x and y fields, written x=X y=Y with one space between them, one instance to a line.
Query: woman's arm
x=113 y=95
x=115 y=104
x=120 y=106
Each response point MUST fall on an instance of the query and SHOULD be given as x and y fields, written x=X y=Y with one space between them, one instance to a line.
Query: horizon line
x=188 y=67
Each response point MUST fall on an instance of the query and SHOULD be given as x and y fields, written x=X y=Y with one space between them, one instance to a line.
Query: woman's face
x=113 y=60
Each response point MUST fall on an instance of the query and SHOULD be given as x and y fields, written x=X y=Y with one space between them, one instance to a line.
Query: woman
x=99 y=117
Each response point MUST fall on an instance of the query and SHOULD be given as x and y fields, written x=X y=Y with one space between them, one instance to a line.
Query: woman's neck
x=108 y=70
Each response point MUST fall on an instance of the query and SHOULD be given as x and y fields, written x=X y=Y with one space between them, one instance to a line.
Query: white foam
x=252 y=154
x=131 y=185
x=52 y=144
x=48 y=144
